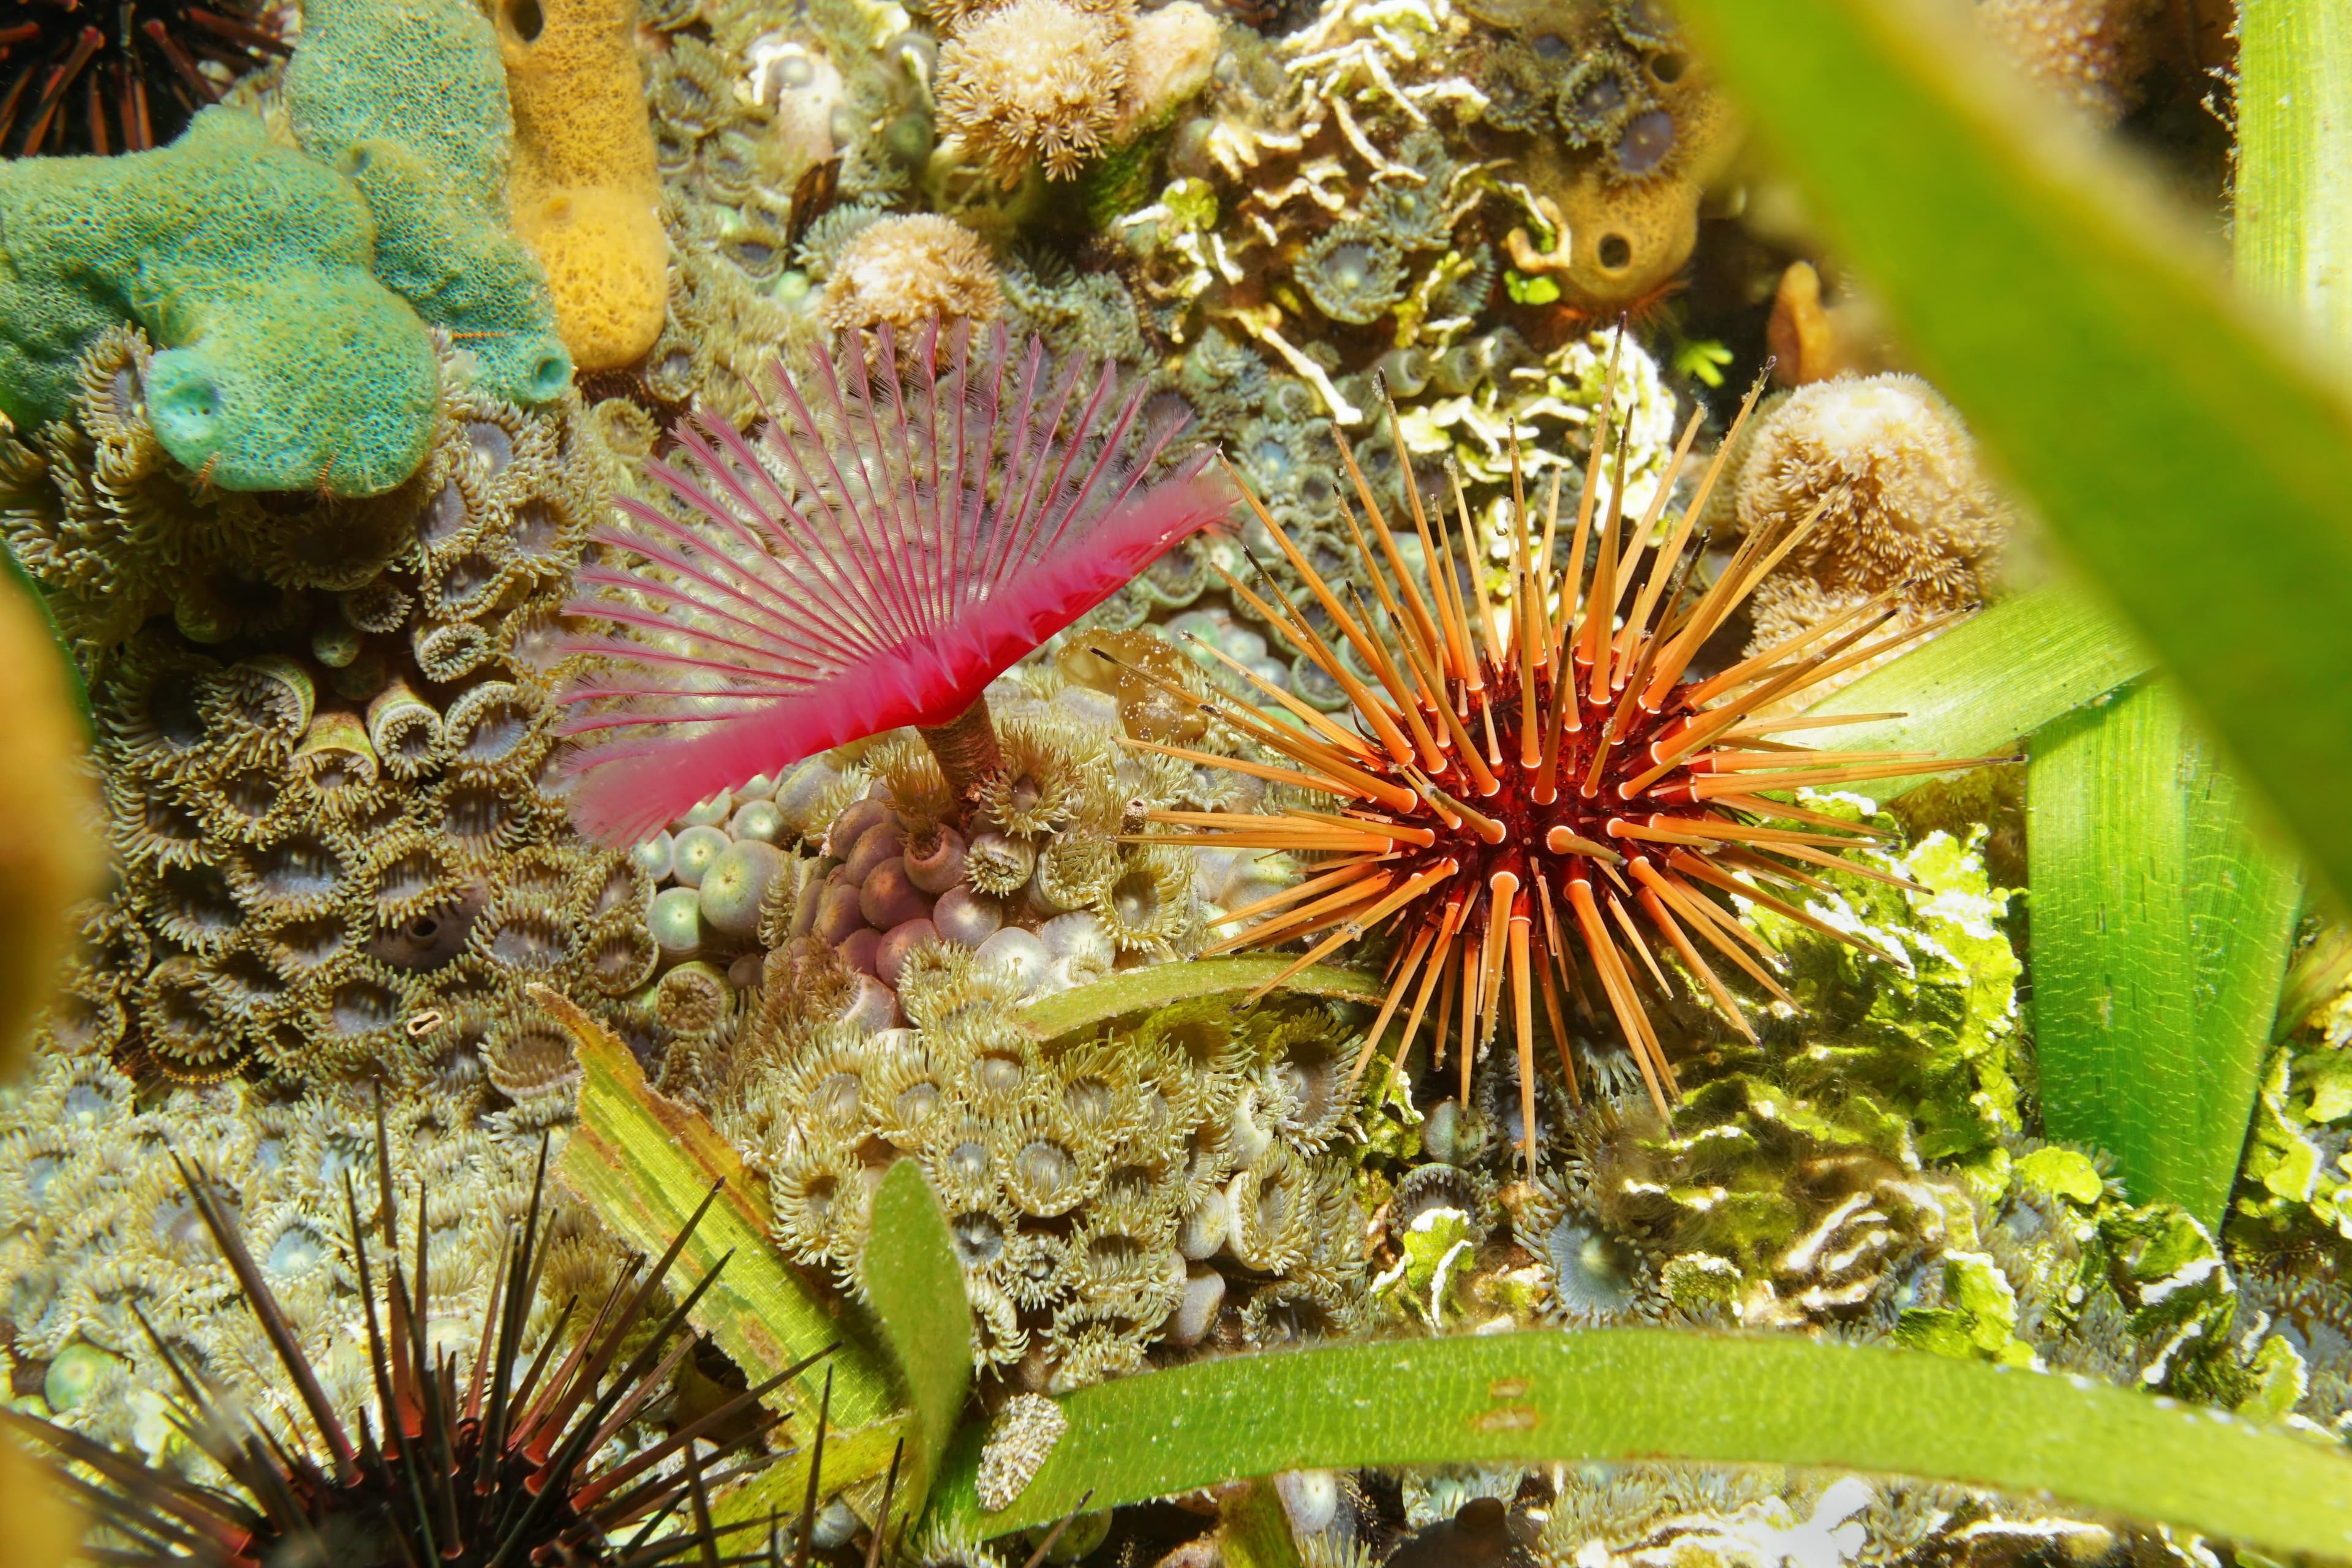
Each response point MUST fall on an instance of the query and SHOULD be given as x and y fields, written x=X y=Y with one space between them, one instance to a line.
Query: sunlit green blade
x=644 y=1163
x=2292 y=230
x=1989 y=682
x=2161 y=924
x=1159 y=984
x=2197 y=465
x=917 y=1289
x=1625 y=1394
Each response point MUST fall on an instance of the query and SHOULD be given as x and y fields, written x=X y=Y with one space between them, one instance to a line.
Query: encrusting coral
x=909 y=272
x=761 y=127
x=283 y=364
x=409 y=100
x=345 y=829
x=332 y=835
x=792 y=610
x=1891 y=1083
x=1613 y=130
x=1178 y=1184
x=584 y=194
x=1885 y=479
x=1334 y=218
x=2296 y=1186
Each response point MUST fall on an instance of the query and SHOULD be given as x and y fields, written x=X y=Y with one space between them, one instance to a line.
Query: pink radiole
x=897 y=537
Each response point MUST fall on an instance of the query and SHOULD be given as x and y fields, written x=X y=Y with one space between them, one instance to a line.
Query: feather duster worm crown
x=1521 y=795
x=897 y=537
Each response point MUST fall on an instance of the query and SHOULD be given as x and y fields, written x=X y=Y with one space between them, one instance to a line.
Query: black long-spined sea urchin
x=495 y=1471
x=119 y=76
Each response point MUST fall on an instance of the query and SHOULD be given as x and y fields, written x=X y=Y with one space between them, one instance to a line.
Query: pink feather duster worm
x=897 y=538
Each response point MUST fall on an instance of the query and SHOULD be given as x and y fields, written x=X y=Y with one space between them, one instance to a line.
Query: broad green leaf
x=917 y=1289
x=1987 y=682
x=643 y=1164
x=1159 y=984
x=853 y=1459
x=2187 y=454
x=2162 y=925
x=1626 y=1393
x=2292 y=229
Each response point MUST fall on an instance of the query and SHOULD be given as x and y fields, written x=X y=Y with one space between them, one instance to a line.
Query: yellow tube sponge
x=583 y=190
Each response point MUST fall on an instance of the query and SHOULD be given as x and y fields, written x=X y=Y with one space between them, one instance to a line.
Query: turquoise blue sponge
x=409 y=99
x=282 y=365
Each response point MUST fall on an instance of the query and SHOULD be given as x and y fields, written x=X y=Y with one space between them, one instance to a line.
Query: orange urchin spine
x=1523 y=796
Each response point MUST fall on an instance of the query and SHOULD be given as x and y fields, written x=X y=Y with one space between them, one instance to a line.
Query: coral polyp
x=1525 y=791
x=77 y=78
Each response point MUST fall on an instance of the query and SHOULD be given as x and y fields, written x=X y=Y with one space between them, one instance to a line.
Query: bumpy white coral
x=1904 y=503
x=909 y=270
x=1174 y=50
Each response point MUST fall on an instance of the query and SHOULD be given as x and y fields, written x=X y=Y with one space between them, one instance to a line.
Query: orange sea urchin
x=1524 y=791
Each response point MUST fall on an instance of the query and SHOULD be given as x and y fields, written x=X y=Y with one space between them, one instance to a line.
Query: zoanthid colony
x=335 y=843
x=1172 y=1187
